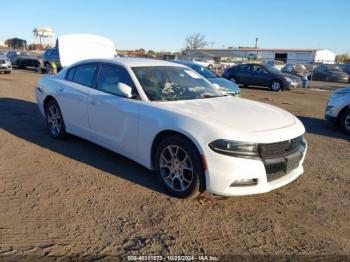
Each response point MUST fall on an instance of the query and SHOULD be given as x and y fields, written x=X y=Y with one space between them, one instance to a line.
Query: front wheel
x=54 y=120
x=276 y=85
x=179 y=167
x=345 y=121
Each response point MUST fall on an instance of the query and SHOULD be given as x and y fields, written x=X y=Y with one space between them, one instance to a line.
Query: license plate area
x=293 y=161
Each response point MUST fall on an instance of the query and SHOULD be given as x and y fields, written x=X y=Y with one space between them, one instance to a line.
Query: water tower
x=44 y=33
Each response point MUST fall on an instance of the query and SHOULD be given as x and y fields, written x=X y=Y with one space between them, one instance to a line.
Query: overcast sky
x=163 y=25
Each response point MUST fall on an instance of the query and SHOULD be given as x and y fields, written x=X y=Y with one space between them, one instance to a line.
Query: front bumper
x=293 y=84
x=223 y=171
x=5 y=68
x=334 y=105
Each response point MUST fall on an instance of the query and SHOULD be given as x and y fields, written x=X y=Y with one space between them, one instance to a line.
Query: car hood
x=77 y=47
x=342 y=90
x=234 y=113
x=294 y=77
x=225 y=85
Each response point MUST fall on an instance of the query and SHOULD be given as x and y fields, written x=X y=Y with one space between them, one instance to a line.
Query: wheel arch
x=342 y=112
x=169 y=132
x=47 y=100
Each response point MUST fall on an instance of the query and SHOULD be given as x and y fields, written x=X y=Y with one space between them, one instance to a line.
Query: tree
x=195 y=41
x=342 y=58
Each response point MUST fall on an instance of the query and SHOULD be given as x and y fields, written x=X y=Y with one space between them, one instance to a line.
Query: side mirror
x=125 y=90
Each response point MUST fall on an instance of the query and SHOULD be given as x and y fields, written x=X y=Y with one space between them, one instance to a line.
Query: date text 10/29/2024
x=173 y=258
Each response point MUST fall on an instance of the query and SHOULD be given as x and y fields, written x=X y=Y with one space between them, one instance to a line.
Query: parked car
x=51 y=56
x=262 y=75
x=299 y=70
x=346 y=68
x=338 y=108
x=23 y=59
x=330 y=73
x=170 y=119
x=5 y=65
x=223 y=84
x=210 y=64
x=227 y=64
x=276 y=64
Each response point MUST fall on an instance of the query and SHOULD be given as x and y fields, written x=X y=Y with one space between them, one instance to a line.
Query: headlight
x=289 y=79
x=235 y=148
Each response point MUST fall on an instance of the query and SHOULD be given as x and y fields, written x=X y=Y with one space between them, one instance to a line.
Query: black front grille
x=279 y=149
x=281 y=158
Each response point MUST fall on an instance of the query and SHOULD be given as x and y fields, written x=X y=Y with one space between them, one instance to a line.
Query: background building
x=292 y=56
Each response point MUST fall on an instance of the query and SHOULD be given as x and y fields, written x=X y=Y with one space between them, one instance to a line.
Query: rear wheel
x=54 y=120
x=276 y=85
x=179 y=167
x=345 y=121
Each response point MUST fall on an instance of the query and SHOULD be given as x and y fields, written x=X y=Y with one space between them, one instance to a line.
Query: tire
x=179 y=167
x=54 y=120
x=344 y=121
x=276 y=85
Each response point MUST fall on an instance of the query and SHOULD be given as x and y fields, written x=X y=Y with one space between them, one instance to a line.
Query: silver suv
x=5 y=64
x=338 y=108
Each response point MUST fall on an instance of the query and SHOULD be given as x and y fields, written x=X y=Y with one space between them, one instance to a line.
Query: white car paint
x=77 y=47
x=129 y=126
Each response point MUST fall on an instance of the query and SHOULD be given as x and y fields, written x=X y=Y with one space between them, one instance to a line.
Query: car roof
x=133 y=62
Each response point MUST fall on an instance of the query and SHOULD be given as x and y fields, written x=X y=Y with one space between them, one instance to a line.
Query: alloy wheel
x=176 y=168
x=54 y=120
x=275 y=86
x=347 y=122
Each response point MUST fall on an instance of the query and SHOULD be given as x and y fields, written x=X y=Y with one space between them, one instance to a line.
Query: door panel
x=260 y=76
x=113 y=119
x=73 y=99
x=113 y=122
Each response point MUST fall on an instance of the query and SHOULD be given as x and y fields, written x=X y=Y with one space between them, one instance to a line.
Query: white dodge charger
x=169 y=119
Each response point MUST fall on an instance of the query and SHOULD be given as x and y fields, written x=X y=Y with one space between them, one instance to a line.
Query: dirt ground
x=73 y=199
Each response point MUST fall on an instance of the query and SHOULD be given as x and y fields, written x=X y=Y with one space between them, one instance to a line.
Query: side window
x=70 y=74
x=244 y=67
x=85 y=74
x=257 y=69
x=110 y=76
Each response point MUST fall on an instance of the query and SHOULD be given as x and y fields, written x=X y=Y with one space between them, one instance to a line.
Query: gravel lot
x=71 y=198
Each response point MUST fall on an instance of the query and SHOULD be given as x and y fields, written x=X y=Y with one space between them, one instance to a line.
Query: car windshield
x=203 y=71
x=170 y=83
x=335 y=68
x=23 y=54
x=273 y=70
x=300 y=67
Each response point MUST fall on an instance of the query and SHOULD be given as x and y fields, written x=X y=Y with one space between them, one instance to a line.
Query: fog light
x=245 y=182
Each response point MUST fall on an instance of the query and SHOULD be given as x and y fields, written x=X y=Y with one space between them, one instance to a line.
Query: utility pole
x=256 y=46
